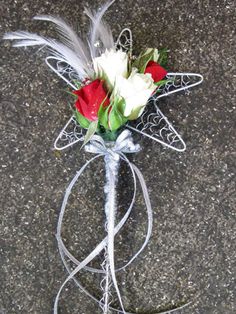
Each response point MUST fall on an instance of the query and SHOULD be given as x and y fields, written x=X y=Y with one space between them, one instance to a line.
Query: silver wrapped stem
x=111 y=168
x=105 y=283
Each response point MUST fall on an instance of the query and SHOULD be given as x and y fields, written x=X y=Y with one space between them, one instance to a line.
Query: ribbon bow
x=112 y=153
x=123 y=144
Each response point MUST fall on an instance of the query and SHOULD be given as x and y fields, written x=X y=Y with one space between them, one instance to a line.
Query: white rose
x=112 y=63
x=136 y=90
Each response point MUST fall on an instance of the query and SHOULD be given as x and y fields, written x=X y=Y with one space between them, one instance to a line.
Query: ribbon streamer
x=112 y=155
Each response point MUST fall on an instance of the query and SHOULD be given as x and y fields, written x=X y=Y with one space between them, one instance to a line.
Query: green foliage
x=108 y=135
x=83 y=122
x=90 y=132
x=115 y=120
x=112 y=117
x=148 y=55
x=116 y=115
x=103 y=116
x=161 y=83
x=163 y=57
x=151 y=54
x=78 y=84
x=142 y=61
x=70 y=93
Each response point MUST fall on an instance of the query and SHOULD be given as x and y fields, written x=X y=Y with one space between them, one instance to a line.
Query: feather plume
x=72 y=50
x=59 y=50
x=68 y=36
x=99 y=30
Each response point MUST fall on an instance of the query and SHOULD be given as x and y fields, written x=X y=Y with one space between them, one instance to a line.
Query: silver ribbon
x=112 y=154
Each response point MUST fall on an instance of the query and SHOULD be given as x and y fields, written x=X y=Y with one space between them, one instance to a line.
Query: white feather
x=72 y=50
x=99 y=30
x=61 y=51
x=68 y=36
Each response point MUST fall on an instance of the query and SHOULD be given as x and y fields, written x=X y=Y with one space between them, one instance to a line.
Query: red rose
x=157 y=71
x=90 y=97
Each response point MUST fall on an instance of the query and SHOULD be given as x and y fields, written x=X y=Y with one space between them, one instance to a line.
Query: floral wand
x=116 y=93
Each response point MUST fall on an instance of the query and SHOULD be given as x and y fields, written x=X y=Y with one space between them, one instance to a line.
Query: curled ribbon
x=112 y=154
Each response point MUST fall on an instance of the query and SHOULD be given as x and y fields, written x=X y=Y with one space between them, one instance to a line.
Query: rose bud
x=135 y=90
x=110 y=64
x=157 y=71
x=90 y=98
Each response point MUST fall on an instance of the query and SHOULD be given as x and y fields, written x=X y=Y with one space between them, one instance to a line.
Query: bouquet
x=115 y=92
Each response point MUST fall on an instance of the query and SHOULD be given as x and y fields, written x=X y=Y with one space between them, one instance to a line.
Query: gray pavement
x=191 y=255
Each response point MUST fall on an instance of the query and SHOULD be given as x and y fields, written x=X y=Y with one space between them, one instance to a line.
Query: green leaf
x=163 y=57
x=83 y=122
x=161 y=83
x=91 y=131
x=116 y=116
x=78 y=84
x=148 y=55
x=121 y=106
x=155 y=55
x=112 y=117
x=70 y=93
x=143 y=59
x=103 y=116
x=154 y=52
x=71 y=107
x=115 y=120
x=110 y=135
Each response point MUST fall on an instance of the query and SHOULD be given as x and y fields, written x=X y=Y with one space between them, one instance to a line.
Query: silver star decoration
x=153 y=123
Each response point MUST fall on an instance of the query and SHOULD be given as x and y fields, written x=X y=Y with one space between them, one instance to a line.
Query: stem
x=107 y=288
x=106 y=282
x=111 y=166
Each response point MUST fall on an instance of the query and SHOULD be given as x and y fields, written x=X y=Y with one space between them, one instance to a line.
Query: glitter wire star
x=153 y=123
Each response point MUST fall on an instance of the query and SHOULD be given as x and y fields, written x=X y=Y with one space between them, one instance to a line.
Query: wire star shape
x=152 y=124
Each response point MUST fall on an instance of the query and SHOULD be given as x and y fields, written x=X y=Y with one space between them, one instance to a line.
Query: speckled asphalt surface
x=191 y=255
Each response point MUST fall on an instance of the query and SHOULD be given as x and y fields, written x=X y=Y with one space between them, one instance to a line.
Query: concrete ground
x=191 y=255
